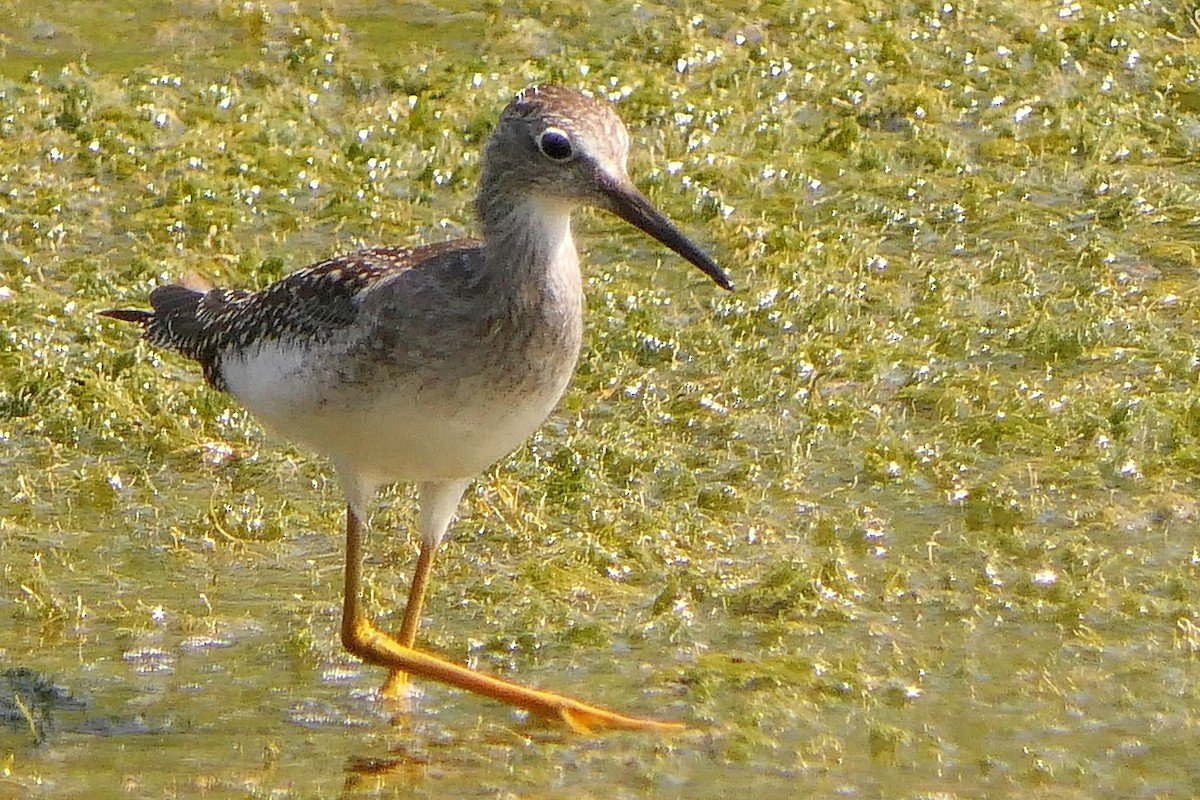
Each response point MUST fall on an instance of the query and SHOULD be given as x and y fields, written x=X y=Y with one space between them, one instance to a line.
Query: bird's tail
x=171 y=304
x=175 y=319
x=174 y=313
x=140 y=316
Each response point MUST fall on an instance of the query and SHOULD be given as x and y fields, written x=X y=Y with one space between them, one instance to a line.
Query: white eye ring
x=555 y=144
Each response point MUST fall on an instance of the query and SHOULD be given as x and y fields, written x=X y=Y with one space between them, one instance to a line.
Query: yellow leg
x=439 y=499
x=374 y=646
x=396 y=684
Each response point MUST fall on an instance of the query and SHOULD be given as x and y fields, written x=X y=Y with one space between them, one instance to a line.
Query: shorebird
x=429 y=364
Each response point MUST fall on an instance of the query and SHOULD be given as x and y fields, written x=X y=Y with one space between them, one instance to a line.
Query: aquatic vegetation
x=914 y=508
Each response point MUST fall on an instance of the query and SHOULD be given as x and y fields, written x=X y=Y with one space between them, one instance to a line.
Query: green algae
x=910 y=514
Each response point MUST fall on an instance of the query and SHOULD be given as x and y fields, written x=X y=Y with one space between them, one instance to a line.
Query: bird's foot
x=396 y=687
x=585 y=719
x=373 y=646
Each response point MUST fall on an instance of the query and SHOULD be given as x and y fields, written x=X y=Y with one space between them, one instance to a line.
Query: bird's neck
x=530 y=256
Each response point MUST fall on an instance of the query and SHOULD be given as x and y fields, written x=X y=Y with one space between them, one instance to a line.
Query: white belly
x=415 y=430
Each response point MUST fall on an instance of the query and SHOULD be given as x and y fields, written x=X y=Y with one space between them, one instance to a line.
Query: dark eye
x=554 y=143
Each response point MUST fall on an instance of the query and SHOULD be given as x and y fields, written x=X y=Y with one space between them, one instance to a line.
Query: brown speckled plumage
x=307 y=306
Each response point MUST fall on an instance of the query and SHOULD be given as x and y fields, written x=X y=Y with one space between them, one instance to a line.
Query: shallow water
x=911 y=514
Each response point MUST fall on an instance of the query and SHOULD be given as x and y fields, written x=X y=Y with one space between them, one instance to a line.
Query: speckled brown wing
x=308 y=305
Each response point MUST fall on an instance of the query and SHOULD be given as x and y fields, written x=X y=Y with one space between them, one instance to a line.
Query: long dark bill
x=632 y=206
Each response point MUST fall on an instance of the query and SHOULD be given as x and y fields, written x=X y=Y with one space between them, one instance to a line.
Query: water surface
x=911 y=514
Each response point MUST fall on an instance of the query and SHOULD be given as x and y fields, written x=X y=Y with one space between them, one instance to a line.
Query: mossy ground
x=911 y=514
